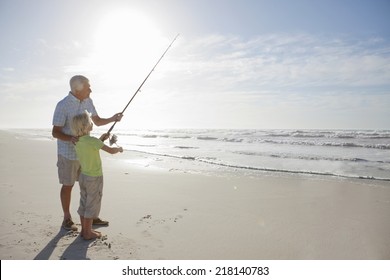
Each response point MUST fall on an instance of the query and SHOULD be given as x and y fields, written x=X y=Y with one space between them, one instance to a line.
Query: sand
x=159 y=211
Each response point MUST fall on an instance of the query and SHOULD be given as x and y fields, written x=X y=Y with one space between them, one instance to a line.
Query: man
x=77 y=102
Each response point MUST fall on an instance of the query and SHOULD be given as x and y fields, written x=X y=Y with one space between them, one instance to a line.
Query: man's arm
x=100 y=121
x=58 y=134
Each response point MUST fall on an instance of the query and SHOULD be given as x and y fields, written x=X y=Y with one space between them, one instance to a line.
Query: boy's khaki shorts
x=91 y=192
x=68 y=170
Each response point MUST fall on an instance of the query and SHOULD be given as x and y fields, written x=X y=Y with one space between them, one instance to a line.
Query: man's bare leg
x=65 y=202
x=65 y=195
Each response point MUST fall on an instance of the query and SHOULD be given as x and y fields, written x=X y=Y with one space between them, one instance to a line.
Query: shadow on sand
x=77 y=250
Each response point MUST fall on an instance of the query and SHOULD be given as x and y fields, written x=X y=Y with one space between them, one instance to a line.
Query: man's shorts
x=68 y=170
x=91 y=192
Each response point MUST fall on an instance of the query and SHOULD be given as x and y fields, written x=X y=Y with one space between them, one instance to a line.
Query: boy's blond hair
x=81 y=124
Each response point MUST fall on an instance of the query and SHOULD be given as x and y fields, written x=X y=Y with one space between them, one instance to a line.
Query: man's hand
x=74 y=139
x=117 y=117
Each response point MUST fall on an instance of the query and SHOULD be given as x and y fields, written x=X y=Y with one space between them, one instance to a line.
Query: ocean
x=363 y=154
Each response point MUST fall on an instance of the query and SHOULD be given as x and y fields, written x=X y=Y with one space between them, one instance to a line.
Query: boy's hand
x=105 y=136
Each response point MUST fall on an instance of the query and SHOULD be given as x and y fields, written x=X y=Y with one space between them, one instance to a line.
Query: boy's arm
x=112 y=150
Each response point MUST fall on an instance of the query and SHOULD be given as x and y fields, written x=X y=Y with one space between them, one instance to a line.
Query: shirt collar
x=75 y=99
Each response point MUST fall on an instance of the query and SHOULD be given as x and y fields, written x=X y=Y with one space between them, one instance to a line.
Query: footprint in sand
x=148 y=219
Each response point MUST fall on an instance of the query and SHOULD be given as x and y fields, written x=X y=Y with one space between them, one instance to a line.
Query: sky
x=248 y=64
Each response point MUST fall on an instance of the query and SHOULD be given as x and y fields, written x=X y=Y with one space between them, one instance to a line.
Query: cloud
x=277 y=80
x=276 y=63
x=297 y=77
x=285 y=61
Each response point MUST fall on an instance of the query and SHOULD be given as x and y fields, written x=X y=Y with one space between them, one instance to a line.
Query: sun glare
x=126 y=40
x=126 y=46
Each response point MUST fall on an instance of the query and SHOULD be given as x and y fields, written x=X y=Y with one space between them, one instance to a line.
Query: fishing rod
x=114 y=138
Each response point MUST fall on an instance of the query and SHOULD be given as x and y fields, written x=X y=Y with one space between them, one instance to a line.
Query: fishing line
x=114 y=138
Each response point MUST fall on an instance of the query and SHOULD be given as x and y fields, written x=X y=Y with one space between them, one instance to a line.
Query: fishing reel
x=113 y=139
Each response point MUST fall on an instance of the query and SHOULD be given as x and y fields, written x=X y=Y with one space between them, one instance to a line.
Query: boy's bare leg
x=65 y=195
x=86 y=229
x=82 y=226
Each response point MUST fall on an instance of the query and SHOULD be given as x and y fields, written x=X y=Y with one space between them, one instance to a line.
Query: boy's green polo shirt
x=87 y=150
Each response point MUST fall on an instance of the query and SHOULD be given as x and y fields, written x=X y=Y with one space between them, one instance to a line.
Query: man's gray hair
x=77 y=83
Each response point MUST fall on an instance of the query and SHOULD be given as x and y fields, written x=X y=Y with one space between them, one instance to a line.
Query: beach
x=159 y=211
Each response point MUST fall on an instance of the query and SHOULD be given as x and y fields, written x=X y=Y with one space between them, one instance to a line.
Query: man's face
x=85 y=92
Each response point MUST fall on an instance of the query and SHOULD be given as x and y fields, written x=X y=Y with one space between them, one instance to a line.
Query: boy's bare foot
x=92 y=235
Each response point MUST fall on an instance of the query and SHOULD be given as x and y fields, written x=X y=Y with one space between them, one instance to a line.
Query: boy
x=91 y=177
